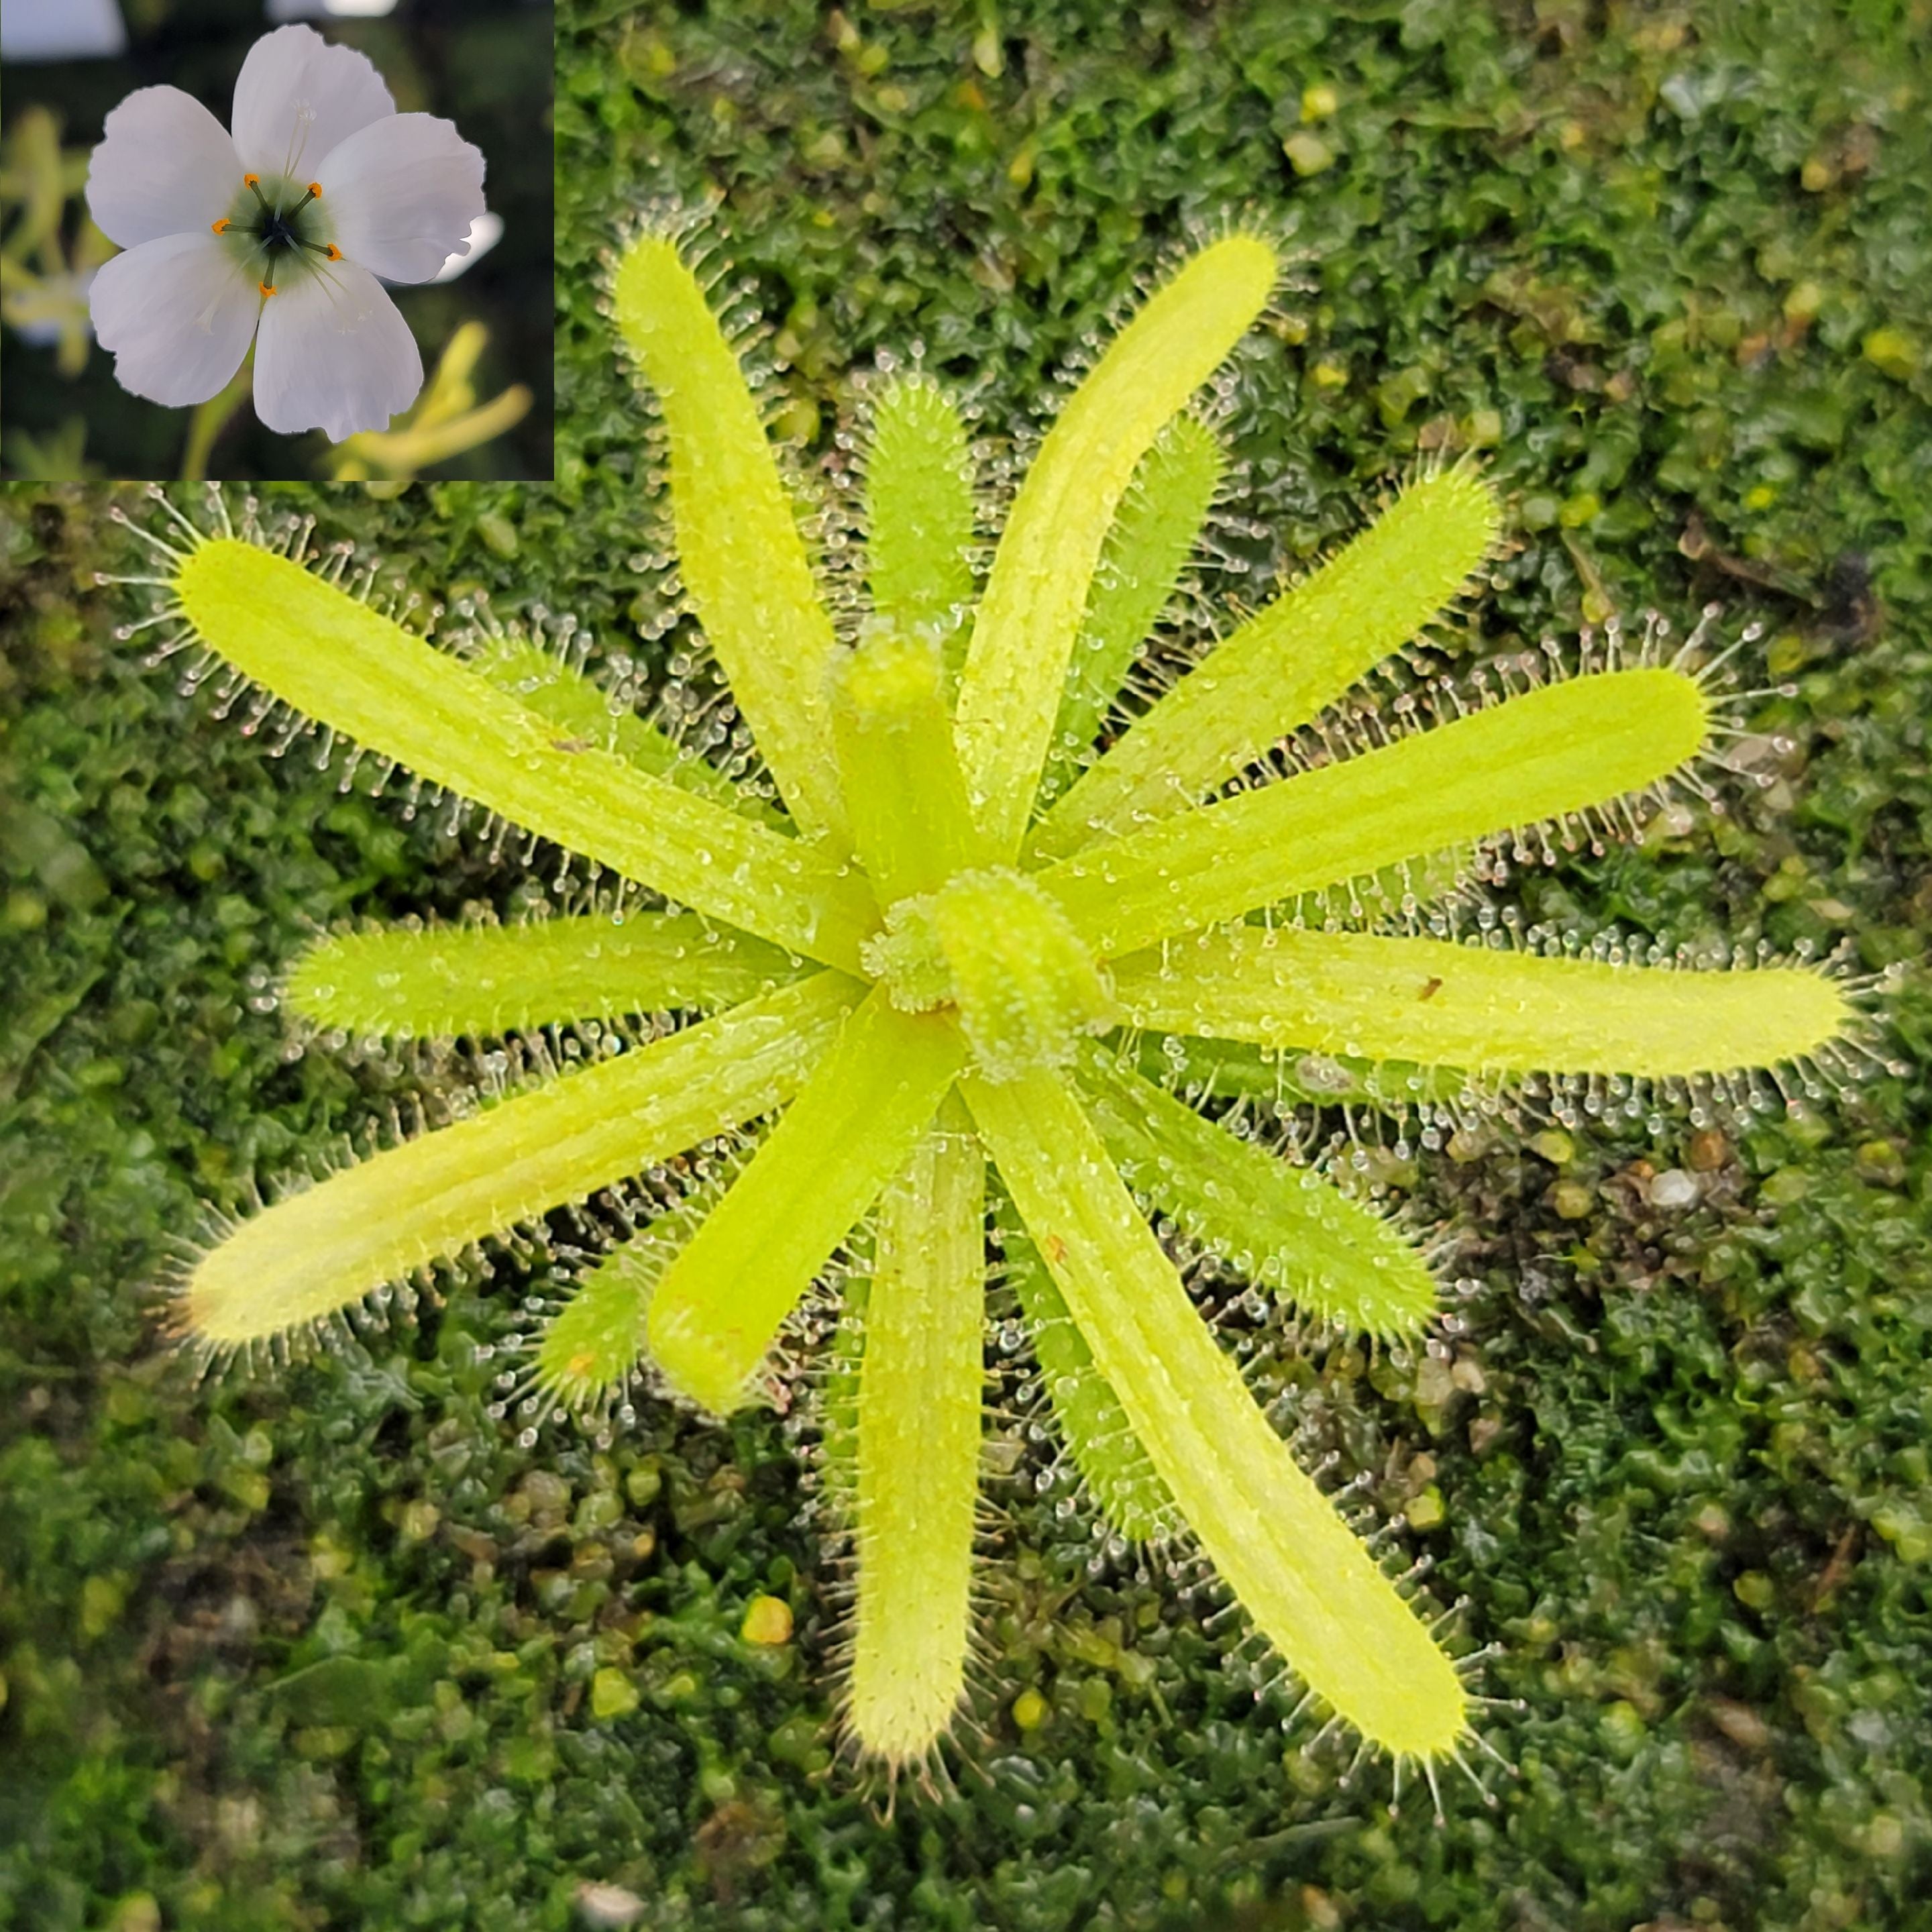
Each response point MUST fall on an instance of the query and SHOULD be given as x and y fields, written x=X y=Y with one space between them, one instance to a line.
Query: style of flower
x=277 y=236
x=936 y=930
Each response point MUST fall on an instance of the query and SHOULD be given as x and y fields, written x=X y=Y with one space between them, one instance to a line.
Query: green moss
x=1595 y=227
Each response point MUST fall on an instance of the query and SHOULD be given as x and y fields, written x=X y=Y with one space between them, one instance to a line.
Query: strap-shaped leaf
x=919 y=510
x=485 y=979
x=1288 y=661
x=592 y=1347
x=1010 y=693
x=1283 y=1227
x=1311 y=1588
x=1154 y=533
x=1125 y=1487
x=738 y=542
x=1475 y=1007
x=837 y=1470
x=911 y=819
x=921 y=1374
x=851 y=1130
x=334 y=659
x=579 y=707
x=327 y=1248
x=1564 y=748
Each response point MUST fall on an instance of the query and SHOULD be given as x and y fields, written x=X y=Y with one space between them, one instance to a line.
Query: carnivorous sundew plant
x=911 y=934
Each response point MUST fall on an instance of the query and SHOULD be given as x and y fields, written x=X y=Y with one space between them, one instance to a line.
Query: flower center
x=276 y=228
x=996 y=945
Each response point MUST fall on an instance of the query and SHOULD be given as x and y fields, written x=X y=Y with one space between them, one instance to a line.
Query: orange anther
x=315 y=189
x=265 y=288
x=335 y=253
x=220 y=227
x=251 y=181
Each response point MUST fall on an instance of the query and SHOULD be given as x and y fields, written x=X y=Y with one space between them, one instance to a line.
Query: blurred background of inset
x=485 y=327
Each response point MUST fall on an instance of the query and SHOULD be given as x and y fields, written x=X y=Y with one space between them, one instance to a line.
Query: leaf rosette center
x=994 y=945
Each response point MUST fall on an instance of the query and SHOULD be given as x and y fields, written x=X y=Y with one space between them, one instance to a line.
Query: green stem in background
x=324 y=1249
x=210 y=418
x=406 y=452
x=1300 y=1572
x=920 y=1396
x=1037 y=594
x=1563 y=747
x=446 y=420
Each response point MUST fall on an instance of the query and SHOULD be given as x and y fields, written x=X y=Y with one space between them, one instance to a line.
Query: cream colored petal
x=402 y=193
x=335 y=354
x=297 y=98
x=165 y=165
x=178 y=314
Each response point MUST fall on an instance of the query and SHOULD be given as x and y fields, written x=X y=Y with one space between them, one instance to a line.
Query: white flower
x=284 y=227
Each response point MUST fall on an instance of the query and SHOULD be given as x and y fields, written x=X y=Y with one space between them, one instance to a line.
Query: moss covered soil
x=331 y=1648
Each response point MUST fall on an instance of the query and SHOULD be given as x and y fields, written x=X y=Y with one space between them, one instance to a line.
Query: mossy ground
x=329 y=1648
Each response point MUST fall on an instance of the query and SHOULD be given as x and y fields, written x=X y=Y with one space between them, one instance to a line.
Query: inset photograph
x=303 y=240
